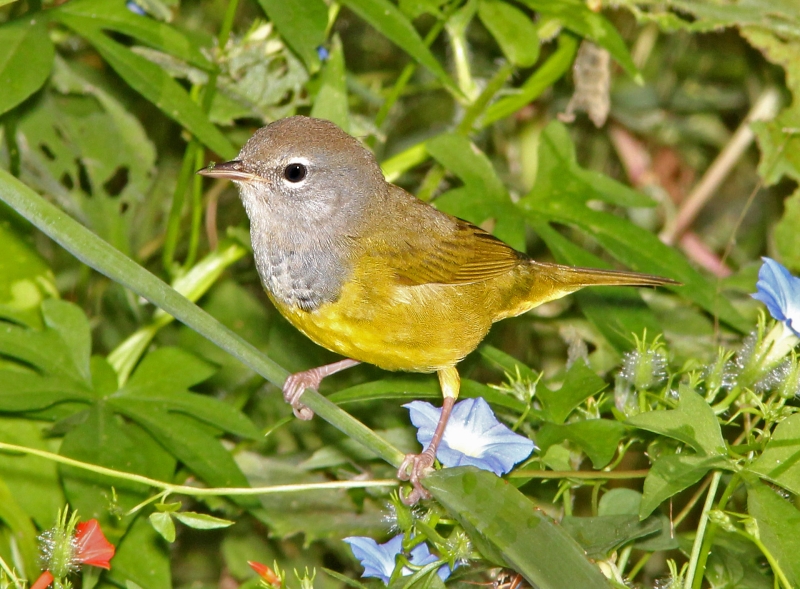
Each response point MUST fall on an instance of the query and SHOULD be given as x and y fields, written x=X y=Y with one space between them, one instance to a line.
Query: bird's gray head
x=302 y=170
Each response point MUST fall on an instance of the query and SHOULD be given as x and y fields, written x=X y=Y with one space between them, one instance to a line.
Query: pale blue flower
x=473 y=436
x=378 y=560
x=780 y=292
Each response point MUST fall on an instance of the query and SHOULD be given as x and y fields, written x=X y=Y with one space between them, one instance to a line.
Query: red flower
x=265 y=573
x=91 y=546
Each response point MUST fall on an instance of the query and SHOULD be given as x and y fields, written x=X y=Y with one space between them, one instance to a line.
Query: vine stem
x=698 y=539
x=195 y=491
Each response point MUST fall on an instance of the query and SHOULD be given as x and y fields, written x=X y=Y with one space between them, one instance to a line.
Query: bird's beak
x=232 y=170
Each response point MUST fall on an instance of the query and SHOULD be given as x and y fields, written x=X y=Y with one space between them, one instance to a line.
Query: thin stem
x=579 y=474
x=194 y=491
x=639 y=565
x=701 y=529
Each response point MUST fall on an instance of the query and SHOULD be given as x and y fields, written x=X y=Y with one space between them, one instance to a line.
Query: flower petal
x=473 y=436
x=421 y=555
x=780 y=292
x=378 y=560
x=91 y=546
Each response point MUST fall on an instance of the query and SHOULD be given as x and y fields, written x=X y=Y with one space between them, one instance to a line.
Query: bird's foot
x=296 y=385
x=413 y=468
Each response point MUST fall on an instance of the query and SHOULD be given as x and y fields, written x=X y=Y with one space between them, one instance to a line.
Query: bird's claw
x=412 y=469
x=295 y=386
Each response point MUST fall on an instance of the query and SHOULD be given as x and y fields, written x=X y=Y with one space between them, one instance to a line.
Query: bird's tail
x=576 y=278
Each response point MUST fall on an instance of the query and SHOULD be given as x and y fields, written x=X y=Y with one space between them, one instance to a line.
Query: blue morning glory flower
x=780 y=292
x=378 y=560
x=473 y=436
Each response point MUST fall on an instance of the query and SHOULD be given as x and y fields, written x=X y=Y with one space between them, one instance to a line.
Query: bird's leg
x=415 y=466
x=298 y=382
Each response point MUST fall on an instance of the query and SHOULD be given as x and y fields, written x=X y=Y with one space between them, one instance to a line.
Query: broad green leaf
x=154 y=84
x=598 y=438
x=163 y=524
x=483 y=195
x=104 y=439
x=671 y=474
x=543 y=78
x=778 y=522
x=26 y=59
x=561 y=194
x=507 y=529
x=620 y=501
x=188 y=441
x=601 y=535
x=331 y=101
x=32 y=480
x=618 y=313
x=143 y=558
x=580 y=383
x=302 y=24
x=25 y=279
x=787 y=238
x=512 y=29
x=202 y=521
x=693 y=422
x=29 y=391
x=21 y=528
x=576 y=16
x=736 y=563
x=780 y=461
x=168 y=369
x=71 y=324
x=114 y=15
x=507 y=363
x=387 y=18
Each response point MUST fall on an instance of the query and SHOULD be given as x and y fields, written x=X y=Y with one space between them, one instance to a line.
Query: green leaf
x=163 y=524
x=580 y=383
x=576 y=16
x=331 y=101
x=26 y=60
x=168 y=369
x=507 y=529
x=780 y=461
x=142 y=558
x=154 y=84
x=387 y=18
x=21 y=528
x=202 y=521
x=778 y=522
x=507 y=363
x=25 y=279
x=302 y=24
x=785 y=234
x=113 y=15
x=671 y=474
x=561 y=194
x=693 y=423
x=543 y=78
x=71 y=324
x=512 y=29
x=188 y=441
x=483 y=195
x=598 y=438
x=603 y=534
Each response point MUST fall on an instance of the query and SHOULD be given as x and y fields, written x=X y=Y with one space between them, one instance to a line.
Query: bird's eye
x=294 y=172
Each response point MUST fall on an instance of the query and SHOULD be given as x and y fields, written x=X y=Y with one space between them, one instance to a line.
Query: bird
x=371 y=272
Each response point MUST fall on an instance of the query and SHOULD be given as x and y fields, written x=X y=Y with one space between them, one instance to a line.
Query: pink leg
x=298 y=382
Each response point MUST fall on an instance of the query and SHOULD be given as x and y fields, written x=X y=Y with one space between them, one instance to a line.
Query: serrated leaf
x=163 y=524
x=331 y=101
x=580 y=383
x=780 y=461
x=26 y=60
x=302 y=24
x=598 y=438
x=114 y=15
x=202 y=521
x=673 y=473
x=576 y=16
x=154 y=84
x=693 y=422
x=389 y=21
x=508 y=529
x=512 y=29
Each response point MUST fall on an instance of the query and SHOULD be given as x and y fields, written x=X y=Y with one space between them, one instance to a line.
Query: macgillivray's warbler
x=369 y=271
